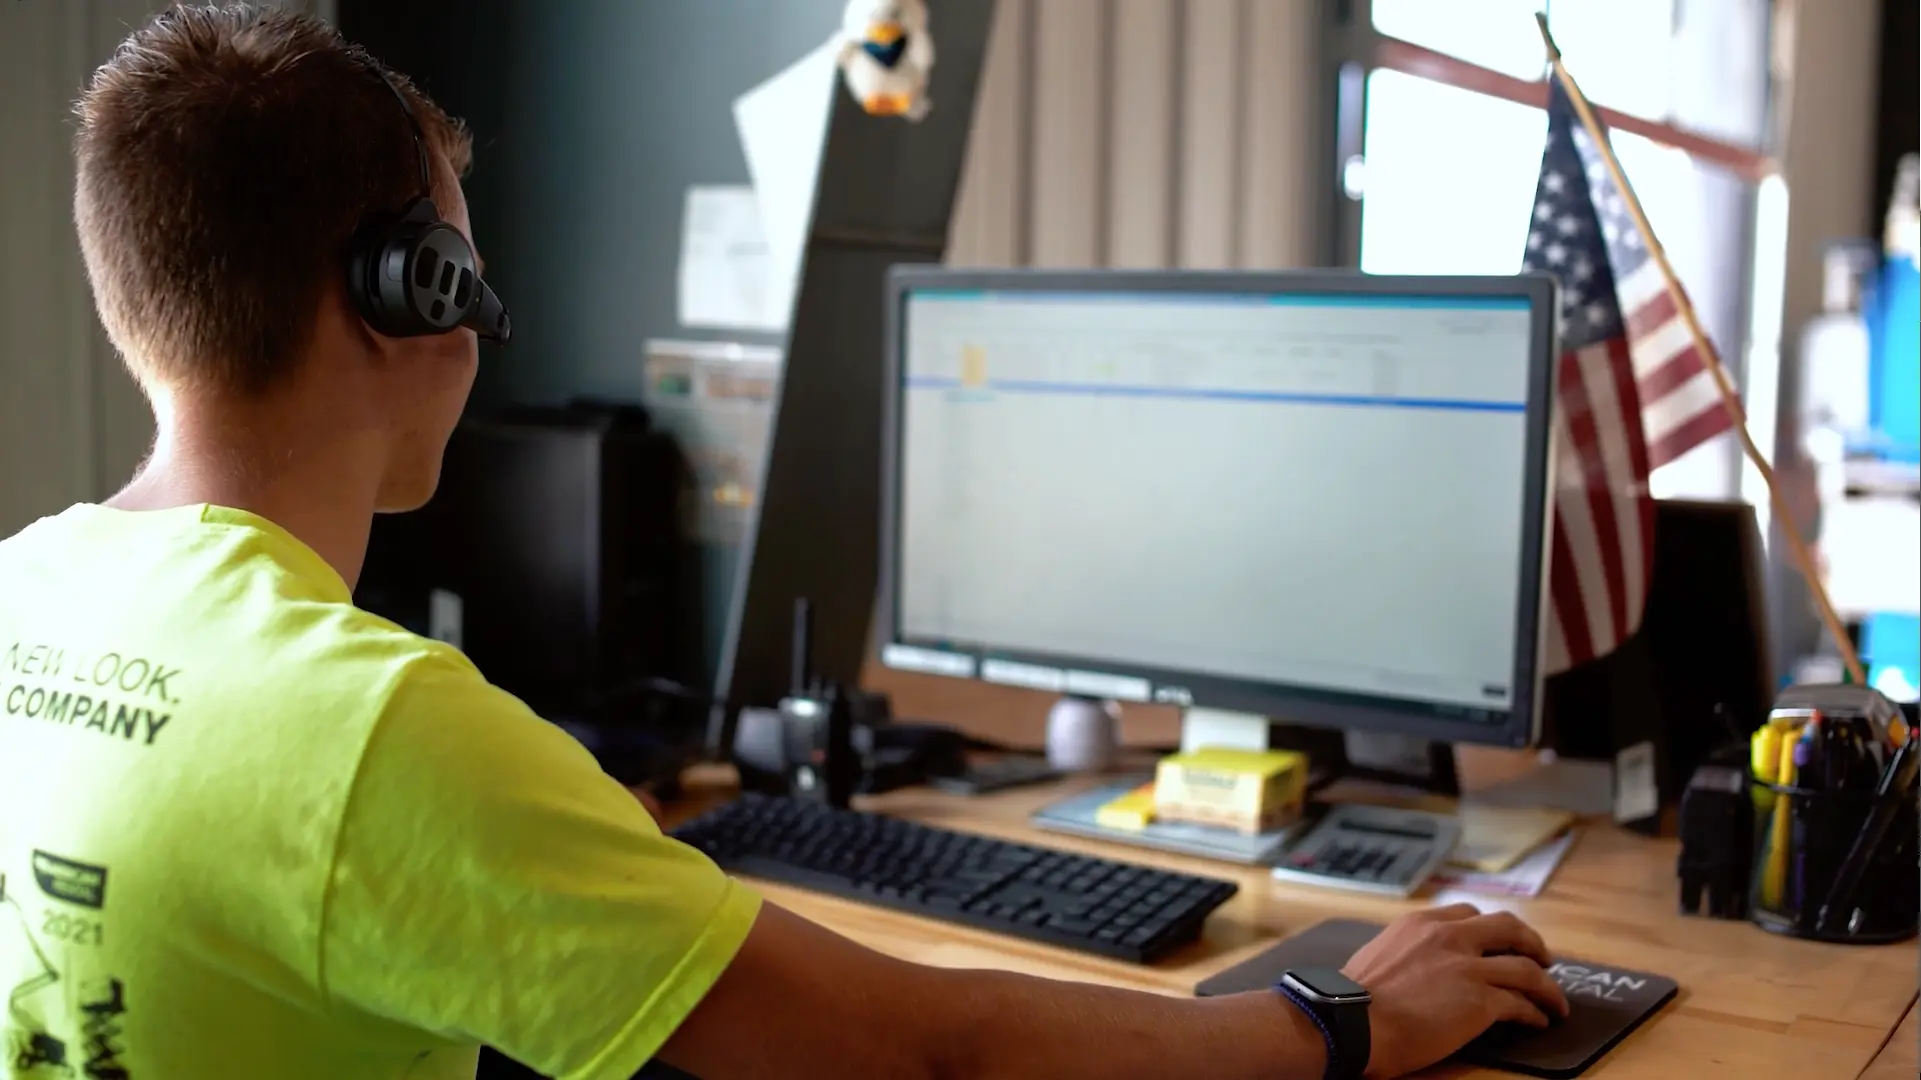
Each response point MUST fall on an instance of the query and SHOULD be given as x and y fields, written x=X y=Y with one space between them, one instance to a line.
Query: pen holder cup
x=1802 y=836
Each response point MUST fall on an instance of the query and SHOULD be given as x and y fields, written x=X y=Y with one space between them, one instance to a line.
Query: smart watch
x=1338 y=1006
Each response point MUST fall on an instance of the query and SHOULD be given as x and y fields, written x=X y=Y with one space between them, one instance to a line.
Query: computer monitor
x=1319 y=497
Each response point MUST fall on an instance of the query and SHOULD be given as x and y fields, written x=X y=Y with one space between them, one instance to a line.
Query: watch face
x=1328 y=985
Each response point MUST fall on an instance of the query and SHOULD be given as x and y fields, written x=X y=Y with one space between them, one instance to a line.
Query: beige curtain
x=1147 y=133
x=72 y=423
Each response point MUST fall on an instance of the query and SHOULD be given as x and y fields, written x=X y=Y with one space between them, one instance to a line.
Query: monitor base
x=1388 y=759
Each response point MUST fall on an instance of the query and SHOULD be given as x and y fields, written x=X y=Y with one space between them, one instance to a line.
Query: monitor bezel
x=1282 y=703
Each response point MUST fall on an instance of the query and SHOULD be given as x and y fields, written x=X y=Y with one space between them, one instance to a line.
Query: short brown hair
x=225 y=156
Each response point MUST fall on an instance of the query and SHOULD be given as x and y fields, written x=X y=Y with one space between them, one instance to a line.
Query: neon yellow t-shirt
x=248 y=830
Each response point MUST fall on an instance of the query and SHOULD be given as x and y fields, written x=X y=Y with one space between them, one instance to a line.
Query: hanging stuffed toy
x=886 y=55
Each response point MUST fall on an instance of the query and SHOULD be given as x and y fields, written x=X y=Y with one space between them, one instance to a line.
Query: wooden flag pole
x=1730 y=400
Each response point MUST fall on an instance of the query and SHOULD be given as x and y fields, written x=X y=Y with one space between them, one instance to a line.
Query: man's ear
x=339 y=320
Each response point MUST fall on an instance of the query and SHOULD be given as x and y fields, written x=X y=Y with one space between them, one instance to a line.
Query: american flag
x=1633 y=393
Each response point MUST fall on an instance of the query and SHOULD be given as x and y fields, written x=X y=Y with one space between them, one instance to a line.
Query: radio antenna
x=803 y=645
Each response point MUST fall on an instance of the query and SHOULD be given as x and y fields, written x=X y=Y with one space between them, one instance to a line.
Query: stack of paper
x=1524 y=879
x=1494 y=838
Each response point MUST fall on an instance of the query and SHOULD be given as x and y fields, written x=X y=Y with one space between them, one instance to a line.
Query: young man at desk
x=248 y=830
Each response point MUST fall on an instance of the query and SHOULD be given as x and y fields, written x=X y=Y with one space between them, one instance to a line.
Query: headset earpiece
x=411 y=274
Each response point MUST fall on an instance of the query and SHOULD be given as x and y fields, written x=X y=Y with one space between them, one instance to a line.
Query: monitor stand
x=1334 y=754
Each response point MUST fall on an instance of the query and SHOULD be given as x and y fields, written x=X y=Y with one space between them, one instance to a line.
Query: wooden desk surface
x=1901 y=1058
x=1751 y=1005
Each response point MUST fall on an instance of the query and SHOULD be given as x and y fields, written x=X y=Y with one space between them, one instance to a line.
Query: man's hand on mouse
x=1437 y=983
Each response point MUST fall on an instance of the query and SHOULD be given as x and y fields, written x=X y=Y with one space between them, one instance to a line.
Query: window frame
x=1357 y=49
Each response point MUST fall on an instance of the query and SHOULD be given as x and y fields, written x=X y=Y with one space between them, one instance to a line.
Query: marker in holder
x=1804 y=837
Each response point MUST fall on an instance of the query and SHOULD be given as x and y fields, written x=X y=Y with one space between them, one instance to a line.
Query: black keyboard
x=1094 y=905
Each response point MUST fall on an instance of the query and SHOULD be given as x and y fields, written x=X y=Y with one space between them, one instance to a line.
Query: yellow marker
x=1774 y=882
x=1764 y=758
x=1764 y=751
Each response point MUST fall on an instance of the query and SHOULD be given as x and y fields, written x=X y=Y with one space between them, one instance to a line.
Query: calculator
x=1374 y=849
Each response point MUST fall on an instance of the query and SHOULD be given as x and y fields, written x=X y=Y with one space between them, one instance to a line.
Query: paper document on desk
x=1524 y=879
x=783 y=131
x=1494 y=838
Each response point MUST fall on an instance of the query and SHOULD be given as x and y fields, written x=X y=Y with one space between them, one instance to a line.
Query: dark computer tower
x=1696 y=676
x=552 y=555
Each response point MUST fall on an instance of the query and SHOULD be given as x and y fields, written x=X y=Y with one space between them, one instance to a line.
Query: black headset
x=411 y=274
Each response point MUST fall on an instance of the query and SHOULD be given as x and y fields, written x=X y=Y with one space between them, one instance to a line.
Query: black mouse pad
x=1605 y=1003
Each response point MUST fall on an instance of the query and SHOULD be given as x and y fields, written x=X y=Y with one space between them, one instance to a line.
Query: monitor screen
x=1320 y=503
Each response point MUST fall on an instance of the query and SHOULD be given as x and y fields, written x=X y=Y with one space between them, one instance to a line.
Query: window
x=1453 y=133
x=1449 y=179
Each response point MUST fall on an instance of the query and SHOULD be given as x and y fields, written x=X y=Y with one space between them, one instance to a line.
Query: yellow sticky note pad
x=1131 y=812
x=1250 y=791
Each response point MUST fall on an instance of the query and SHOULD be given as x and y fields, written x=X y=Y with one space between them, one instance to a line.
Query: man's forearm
x=998 y=1024
x=802 y=1001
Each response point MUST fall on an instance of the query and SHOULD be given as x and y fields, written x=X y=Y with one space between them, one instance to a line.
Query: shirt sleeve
x=492 y=885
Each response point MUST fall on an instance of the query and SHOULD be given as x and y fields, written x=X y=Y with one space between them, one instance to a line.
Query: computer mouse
x=1506 y=1034
x=1507 y=1031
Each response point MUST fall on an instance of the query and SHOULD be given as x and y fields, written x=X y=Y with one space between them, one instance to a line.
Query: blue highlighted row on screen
x=1325 y=300
x=1201 y=393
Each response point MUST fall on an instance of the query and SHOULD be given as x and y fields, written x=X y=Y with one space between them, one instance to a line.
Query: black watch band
x=1338 y=1007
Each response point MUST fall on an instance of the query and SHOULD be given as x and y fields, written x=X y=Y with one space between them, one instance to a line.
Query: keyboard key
x=1108 y=908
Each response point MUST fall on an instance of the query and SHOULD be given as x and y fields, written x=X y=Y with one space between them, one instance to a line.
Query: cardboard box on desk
x=1249 y=791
